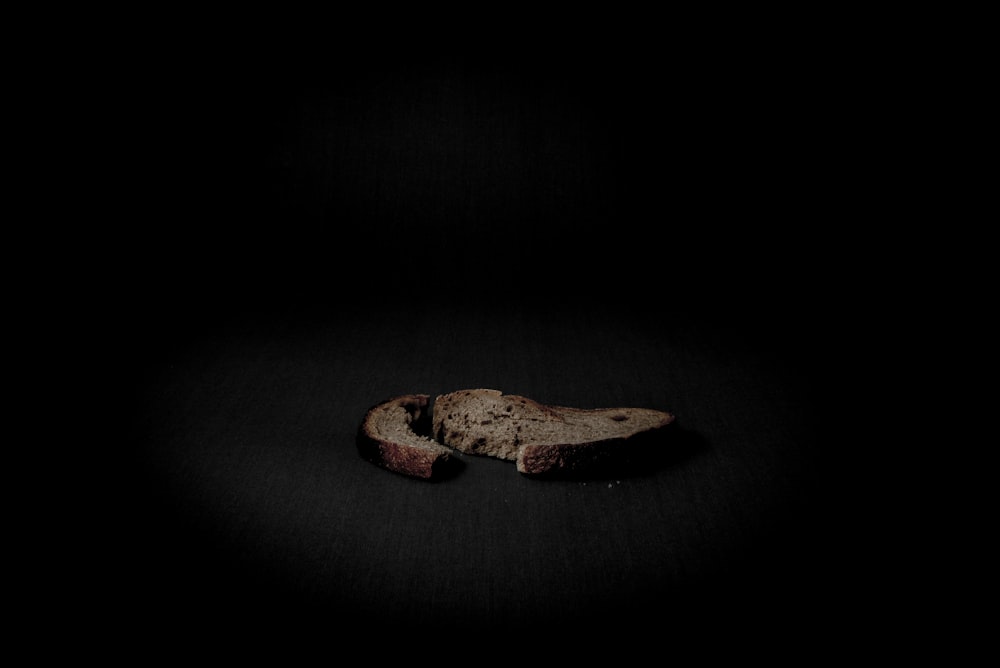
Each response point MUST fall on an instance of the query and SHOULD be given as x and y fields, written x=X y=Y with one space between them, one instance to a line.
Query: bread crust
x=400 y=434
x=410 y=456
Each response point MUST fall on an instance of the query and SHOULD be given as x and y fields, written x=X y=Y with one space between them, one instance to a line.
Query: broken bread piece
x=542 y=439
x=392 y=435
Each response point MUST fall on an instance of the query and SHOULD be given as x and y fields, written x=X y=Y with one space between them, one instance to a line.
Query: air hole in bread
x=619 y=418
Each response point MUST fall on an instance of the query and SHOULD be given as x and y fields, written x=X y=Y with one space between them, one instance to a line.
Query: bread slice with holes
x=542 y=439
x=394 y=435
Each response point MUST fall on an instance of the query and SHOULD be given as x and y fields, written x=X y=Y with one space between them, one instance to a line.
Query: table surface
x=249 y=494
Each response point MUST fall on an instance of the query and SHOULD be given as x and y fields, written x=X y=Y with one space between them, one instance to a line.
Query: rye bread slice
x=393 y=435
x=542 y=439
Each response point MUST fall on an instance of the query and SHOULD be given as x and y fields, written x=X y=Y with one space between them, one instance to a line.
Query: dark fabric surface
x=250 y=494
x=327 y=232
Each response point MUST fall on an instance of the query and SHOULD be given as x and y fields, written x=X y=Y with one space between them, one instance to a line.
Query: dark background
x=591 y=225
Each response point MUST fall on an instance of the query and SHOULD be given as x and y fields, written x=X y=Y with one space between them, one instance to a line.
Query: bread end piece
x=391 y=436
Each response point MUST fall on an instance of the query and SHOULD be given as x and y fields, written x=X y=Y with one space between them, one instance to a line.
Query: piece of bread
x=393 y=435
x=541 y=439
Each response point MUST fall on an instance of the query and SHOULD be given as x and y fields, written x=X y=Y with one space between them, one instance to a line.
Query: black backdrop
x=585 y=226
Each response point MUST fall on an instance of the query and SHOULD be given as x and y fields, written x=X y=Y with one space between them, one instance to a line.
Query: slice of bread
x=392 y=435
x=541 y=439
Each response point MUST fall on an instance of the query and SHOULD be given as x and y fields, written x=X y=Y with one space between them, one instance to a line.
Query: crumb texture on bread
x=540 y=438
x=392 y=436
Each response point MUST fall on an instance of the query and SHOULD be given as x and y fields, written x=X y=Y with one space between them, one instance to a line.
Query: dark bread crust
x=427 y=461
x=571 y=459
